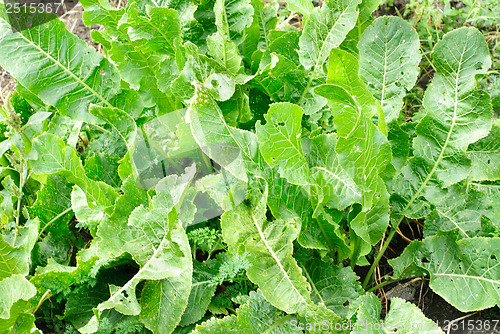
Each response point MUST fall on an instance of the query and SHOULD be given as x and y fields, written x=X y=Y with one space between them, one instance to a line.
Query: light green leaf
x=54 y=157
x=339 y=190
x=464 y=272
x=365 y=18
x=462 y=208
x=304 y=7
x=388 y=57
x=159 y=245
x=12 y=289
x=333 y=286
x=15 y=249
x=133 y=196
x=457 y=115
x=232 y=148
x=363 y=152
x=279 y=141
x=15 y=315
x=269 y=246
x=343 y=71
x=68 y=76
x=485 y=156
x=324 y=30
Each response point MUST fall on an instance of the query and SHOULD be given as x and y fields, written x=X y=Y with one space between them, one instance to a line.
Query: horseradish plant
x=215 y=169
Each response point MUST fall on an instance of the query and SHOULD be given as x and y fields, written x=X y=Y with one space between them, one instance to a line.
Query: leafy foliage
x=216 y=169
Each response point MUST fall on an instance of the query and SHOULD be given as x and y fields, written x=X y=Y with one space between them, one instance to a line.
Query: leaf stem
x=53 y=220
x=356 y=251
x=381 y=252
x=384 y=283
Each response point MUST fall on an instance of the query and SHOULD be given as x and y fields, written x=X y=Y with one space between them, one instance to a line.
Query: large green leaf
x=158 y=243
x=324 y=30
x=279 y=141
x=220 y=46
x=333 y=286
x=12 y=289
x=462 y=208
x=365 y=18
x=457 y=115
x=234 y=149
x=389 y=57
x=57 y=66
x=15 y=291
x=363 y=151
x=15 y=249
x=54 y=157
x=270 y=248
x=339 y=190
x=464 y=272
x=269 y=245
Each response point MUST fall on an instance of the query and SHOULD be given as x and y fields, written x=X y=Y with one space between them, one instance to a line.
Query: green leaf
x=464 y=272
x=54 y=157
x=457 y=115
x=15 y=249
x=255 y=316
x=157 y=242
x=16 y=314
x=343 y=71
x=324 y=30
x=403 y=317
x=339 y=190
x=269 y=245
x=202 y=292
x=333 y=286
x=57 y=66
x=363 y=152
x=304 y=7
x=12 y=289
x=389 y=57
x=53 y=205
x=365 y=18
x=485 y=156
x=461 y=209
x=280 y=78
x=279 y=141
x=232 y=148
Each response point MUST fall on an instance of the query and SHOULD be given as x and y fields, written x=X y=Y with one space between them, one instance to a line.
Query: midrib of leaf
x=6 y=263
x=285 y=135
x=270 y=250
x=384 y=78
x=454 y=222
x=67 y=70
x=338 y=178
x=319 y=57
x=479 y=278
x=312 y=284
x=446 y=142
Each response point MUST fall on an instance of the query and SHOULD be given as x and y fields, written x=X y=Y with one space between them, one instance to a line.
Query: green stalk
x=381 y=253
x=356 y=251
